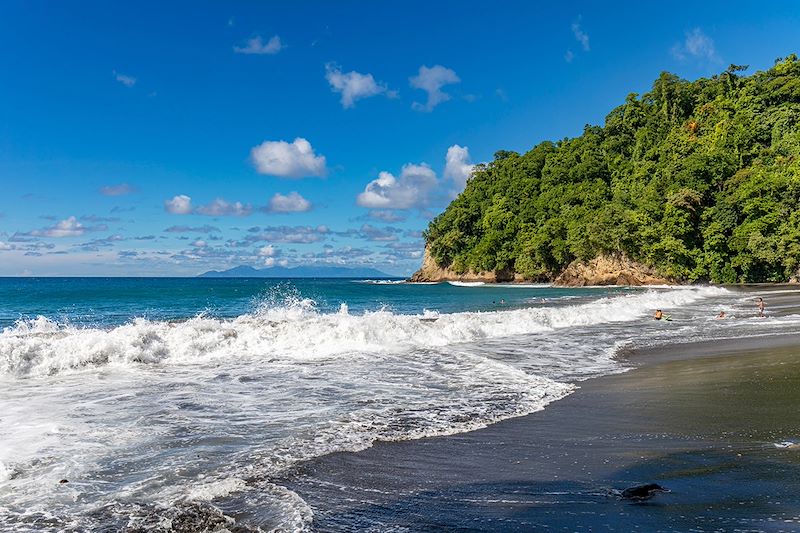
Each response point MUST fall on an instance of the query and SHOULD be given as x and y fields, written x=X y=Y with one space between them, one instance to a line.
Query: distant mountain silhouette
x=309 y=271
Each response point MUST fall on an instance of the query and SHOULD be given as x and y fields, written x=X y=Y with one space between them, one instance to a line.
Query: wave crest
x=296 y=330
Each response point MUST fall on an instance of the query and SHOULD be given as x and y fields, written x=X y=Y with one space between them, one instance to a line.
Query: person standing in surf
x=760 y=305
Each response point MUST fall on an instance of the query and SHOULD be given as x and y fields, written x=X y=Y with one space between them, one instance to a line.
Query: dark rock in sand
x=641 y=493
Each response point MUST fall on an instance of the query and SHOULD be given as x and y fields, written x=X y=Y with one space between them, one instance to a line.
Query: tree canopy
x=698 y=179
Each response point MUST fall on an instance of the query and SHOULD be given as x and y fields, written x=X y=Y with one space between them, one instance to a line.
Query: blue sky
x=169 y=138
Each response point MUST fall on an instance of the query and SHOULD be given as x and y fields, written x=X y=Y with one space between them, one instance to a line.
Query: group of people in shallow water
x=659 y=315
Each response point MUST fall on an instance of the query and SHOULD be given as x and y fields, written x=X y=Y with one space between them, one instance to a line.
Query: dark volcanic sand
x=700 y=419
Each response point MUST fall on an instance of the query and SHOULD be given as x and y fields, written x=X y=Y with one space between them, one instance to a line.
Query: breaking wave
x=296 y=330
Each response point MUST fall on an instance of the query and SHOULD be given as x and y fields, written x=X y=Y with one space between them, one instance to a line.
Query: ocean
x=144 y=403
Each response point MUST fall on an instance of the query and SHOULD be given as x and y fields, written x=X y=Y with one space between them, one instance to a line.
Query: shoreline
x=704 y=419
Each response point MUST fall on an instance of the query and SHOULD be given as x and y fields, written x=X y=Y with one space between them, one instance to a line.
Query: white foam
x=216 y=489
x=297 y=331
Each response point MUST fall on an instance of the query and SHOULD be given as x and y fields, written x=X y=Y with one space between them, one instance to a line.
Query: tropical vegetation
x=698 y=179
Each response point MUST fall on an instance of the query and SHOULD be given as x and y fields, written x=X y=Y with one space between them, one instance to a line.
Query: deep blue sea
x=154 y=395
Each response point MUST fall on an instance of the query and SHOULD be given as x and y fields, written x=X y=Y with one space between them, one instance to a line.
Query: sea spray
x=296 y=330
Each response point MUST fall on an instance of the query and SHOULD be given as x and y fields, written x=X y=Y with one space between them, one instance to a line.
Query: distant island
x=694 y=181
x=310 y=271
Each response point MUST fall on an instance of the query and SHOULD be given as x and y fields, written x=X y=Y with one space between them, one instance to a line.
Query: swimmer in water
x=760 y=305
x=659 y=315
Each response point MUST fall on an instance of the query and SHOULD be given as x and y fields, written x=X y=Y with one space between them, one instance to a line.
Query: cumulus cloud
x=179 y=205
x=69 y=227
x=416 y=186
x=290 y=203
x=282 y=234
x=127 y=81
x=288 y=160
x=117 y=190
x=221 y=208
x=412 y=188
x=258 y=47
x=580 y=35
x=457 y=166
x=431 y=80
x=354 y=85
x=268 y=251
x=696 y=45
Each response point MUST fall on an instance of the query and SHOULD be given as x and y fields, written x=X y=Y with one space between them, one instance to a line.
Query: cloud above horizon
x=179 y=205
x=290 y=203
x=417 y=186
x=431 y=80
x=124 y=79
x=354 y=85
x=256 y=46
x=117 y=190
x=580 y=35
x=412 y=188
x=288 y=160
x=220 y=207
x=69 y=227
x=458 y=168
x=696 y=45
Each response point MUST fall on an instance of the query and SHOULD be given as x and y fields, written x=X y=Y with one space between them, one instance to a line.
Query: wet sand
x=702 y=420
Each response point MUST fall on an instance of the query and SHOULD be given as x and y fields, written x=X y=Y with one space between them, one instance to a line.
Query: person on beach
x=760 y=305
x=659 y=315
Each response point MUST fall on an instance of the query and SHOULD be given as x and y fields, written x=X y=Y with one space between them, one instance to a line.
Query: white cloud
x=354 y=85
x=117 y=190
x=569 y=56
x=267 y=251
x=5 y=246
x=221 y=208
x=457 y=166
x=580 y=35
x=69 y=227
x=269 y=261
x=411 y=189
x=696 y=45
x=179 y=205
x=288 y=160
x=258 y=47
x=431 y=80
x=127 y=81
x=416 y=186
x=290 y=203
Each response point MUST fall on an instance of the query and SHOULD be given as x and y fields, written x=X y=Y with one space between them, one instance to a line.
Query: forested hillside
x=697 y=179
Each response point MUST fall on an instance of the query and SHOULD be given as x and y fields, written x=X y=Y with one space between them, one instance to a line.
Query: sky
x=170 y=138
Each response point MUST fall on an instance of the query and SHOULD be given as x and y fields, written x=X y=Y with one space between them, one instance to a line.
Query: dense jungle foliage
x=700 y=180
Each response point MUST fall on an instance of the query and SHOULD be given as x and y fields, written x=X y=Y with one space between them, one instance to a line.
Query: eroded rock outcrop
x=614 y=269
x=431 y=272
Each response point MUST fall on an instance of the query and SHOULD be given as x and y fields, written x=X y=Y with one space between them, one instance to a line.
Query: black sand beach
x=712 y=422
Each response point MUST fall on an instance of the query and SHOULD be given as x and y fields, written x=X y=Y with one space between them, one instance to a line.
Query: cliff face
x=615 y=269
x=430 y=271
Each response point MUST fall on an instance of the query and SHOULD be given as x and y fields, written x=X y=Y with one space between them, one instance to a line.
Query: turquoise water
x=113 y=301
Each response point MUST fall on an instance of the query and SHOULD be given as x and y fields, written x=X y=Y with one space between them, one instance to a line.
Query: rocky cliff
x=613 y=269
x=430 y=271
x=616 y=269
